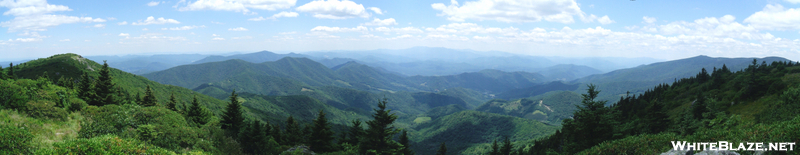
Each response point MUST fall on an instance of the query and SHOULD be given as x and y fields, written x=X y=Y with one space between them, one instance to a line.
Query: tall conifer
x=172 y=104
x=149 y=98
x=379 y=136
x=442 y=149
x=293 y=132
x=233 y=118
x=321 y=136
x=406 y=146
x=104 y=88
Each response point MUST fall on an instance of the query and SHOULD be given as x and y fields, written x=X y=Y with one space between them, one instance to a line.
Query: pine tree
x=104 y=88
x=592 y=123
x=703 y=76
x=356 y=132
x=379 y=135
x=277 y=134
x=406 y=146
x=293 y=132
x=198 y=114
x=321 y=136
x=85 y=88
x=442 y=149
x=506 y=148
x=11 y=71
x=2 y=73
x=495 y=149
x=699 y=106
x=254 y=140
x=172 y=104
x=233 y=118
x=149 y=97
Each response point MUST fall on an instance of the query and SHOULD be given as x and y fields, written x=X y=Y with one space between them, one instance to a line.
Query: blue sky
x=615 y=28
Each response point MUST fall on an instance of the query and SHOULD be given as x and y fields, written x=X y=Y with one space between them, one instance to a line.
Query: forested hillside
x=638 y=79
x=102 y=112
x=757 y=104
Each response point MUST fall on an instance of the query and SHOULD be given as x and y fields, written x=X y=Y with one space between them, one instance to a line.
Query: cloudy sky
x=665 y=29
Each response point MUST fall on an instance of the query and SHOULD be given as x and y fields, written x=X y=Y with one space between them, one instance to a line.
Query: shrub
x=107 y=144
x=14 y=139
x=45 y=109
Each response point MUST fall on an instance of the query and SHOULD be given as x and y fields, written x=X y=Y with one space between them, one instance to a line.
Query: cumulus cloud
x=124 y=35
x=36 y=16
x=276 y=16
x=237 y=29
x=793 y=1
x=154 y=3
x=379 y=22
x=649 y=20
x=123 y=23
x=561 y=11
x=376 y=10
x=605 y=20
x=41 y=22
x=775 y=17
x=159 y=21
x=468 y=28
x=218 y=38
x=243 y=6
x=334 y=9
x=63 y=40
x=340 y=29
x=404 y=30
x=100 y=25
x=184 y=27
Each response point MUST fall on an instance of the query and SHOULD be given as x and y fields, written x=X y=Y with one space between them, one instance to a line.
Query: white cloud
x=468 y=28
x=145 y=29
x=28 y=39
x=243 y=37
x=276 y=16
x=63 y=40
x=123 y=23
x=649 y=20
x=28 y=8
x=340 y=29
x=218 y=38
x=404 y=30
x=160 y=20
x=243 y=6
x=605 y=20
x=214 y=35
x=237 y=29
x=379 y=22
x=334 y=9
x=287 y=33
x=561 y=11
x=124 y=35
x=793 y=1
x=99 y=25
x=41 y=22
x=376 y=10
x=184 y=27
x=775 y=17
x=153 y=3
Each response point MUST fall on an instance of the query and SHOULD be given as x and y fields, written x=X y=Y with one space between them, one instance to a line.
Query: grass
x=420 y=120
x=46 y=132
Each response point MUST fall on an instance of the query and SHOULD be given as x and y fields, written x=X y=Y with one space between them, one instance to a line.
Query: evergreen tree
x=495 y=149
x=699 y=106
x=379 y=135
x=2 y=73
x=233 y=118
x=104 y=88
x=254 y=140
x=703 y=76
x=592 y=123
x=356 y=132
x=276 y=134
x=11 y=71
x=520 y=151
x=172 y=104
x=305 y=135
x=85 y=88
x=442 y=149
x=149 y=97
x=293 y=132
x=406 y=146
x=198 y=114
x=656 y=118
x=321 y=136
x=506 y=148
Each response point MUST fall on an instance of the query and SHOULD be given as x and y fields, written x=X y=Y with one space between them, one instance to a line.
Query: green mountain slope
x=551 y=107
x=257 y=57
x=467 y=132
x=636 y=80
x=73 y=66
x=757 y=104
